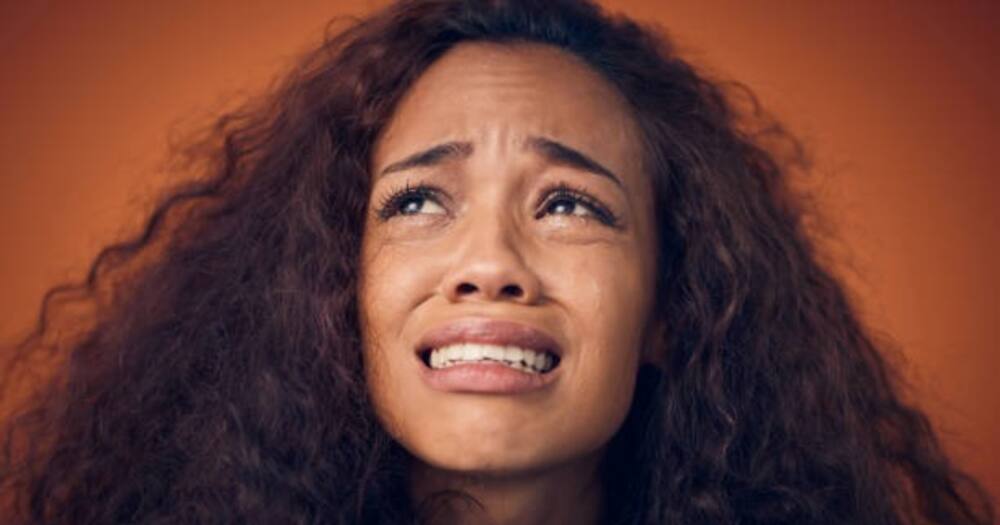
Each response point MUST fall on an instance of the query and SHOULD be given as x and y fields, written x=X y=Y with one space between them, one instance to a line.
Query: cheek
x=606 y=298
x=380 y=307
x=606 y=294
x=394 y=281
x=390 y=287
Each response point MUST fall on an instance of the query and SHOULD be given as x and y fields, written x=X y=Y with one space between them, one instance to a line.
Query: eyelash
x=391 y=204
x=580 y=196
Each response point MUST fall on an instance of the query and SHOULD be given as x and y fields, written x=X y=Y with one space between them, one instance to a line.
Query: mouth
x=527 y=360
x=477 y=352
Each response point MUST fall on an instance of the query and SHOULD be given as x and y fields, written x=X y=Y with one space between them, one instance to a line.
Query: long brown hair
x=218 y=374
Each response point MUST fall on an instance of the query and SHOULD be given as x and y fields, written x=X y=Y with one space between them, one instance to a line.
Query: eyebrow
x=559 y=153
x=432 y=156
x=553 y=151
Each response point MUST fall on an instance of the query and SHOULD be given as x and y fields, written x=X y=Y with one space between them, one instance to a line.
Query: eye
x=565 y=200
x=566 y=205
x=411 y=200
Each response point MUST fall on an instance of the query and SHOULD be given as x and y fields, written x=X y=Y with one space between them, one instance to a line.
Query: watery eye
x=411 y=201
x=568 y=206
x=417 y=204
x=565 y=200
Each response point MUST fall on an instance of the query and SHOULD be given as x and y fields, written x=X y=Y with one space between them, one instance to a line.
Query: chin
x=485 y=459
x=484 y=450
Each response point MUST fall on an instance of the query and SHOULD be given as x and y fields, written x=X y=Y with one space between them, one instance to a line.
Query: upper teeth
x=512 y=356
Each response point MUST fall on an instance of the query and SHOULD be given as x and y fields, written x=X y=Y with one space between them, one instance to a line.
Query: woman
x=475 y=261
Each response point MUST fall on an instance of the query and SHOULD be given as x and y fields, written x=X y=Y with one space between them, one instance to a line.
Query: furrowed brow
x=559 y=153
x=432 y=156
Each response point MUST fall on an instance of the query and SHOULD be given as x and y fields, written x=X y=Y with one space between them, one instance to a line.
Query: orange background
x=897 y=101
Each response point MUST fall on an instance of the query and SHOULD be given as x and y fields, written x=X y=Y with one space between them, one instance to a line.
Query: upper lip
x=488 y=331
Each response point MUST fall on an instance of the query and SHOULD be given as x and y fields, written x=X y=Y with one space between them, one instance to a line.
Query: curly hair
x=215 y=375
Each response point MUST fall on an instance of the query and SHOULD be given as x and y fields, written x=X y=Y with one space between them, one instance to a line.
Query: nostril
x=512 y=290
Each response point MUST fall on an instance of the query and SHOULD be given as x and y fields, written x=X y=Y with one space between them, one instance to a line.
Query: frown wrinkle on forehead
x=501 y=94
x=551 y=150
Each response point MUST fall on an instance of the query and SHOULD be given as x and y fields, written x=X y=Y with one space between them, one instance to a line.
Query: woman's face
x=508 y=261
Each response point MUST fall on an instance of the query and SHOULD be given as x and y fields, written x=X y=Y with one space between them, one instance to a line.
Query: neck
x=568 y=494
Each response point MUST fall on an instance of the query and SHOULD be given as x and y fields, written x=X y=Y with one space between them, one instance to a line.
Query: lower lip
x=484 y=378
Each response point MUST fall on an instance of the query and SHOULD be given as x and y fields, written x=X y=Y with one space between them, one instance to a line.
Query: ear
x=654 y=343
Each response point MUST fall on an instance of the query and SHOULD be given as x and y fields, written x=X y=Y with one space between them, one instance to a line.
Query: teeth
x=515 y=357
x=495 y=353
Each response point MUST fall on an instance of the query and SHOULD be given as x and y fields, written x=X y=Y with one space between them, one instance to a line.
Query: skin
x=493 y=243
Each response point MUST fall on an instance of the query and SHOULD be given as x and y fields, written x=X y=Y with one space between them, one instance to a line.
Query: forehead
x=501 y=94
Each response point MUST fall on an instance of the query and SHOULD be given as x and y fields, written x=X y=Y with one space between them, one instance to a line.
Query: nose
x=490 y=266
